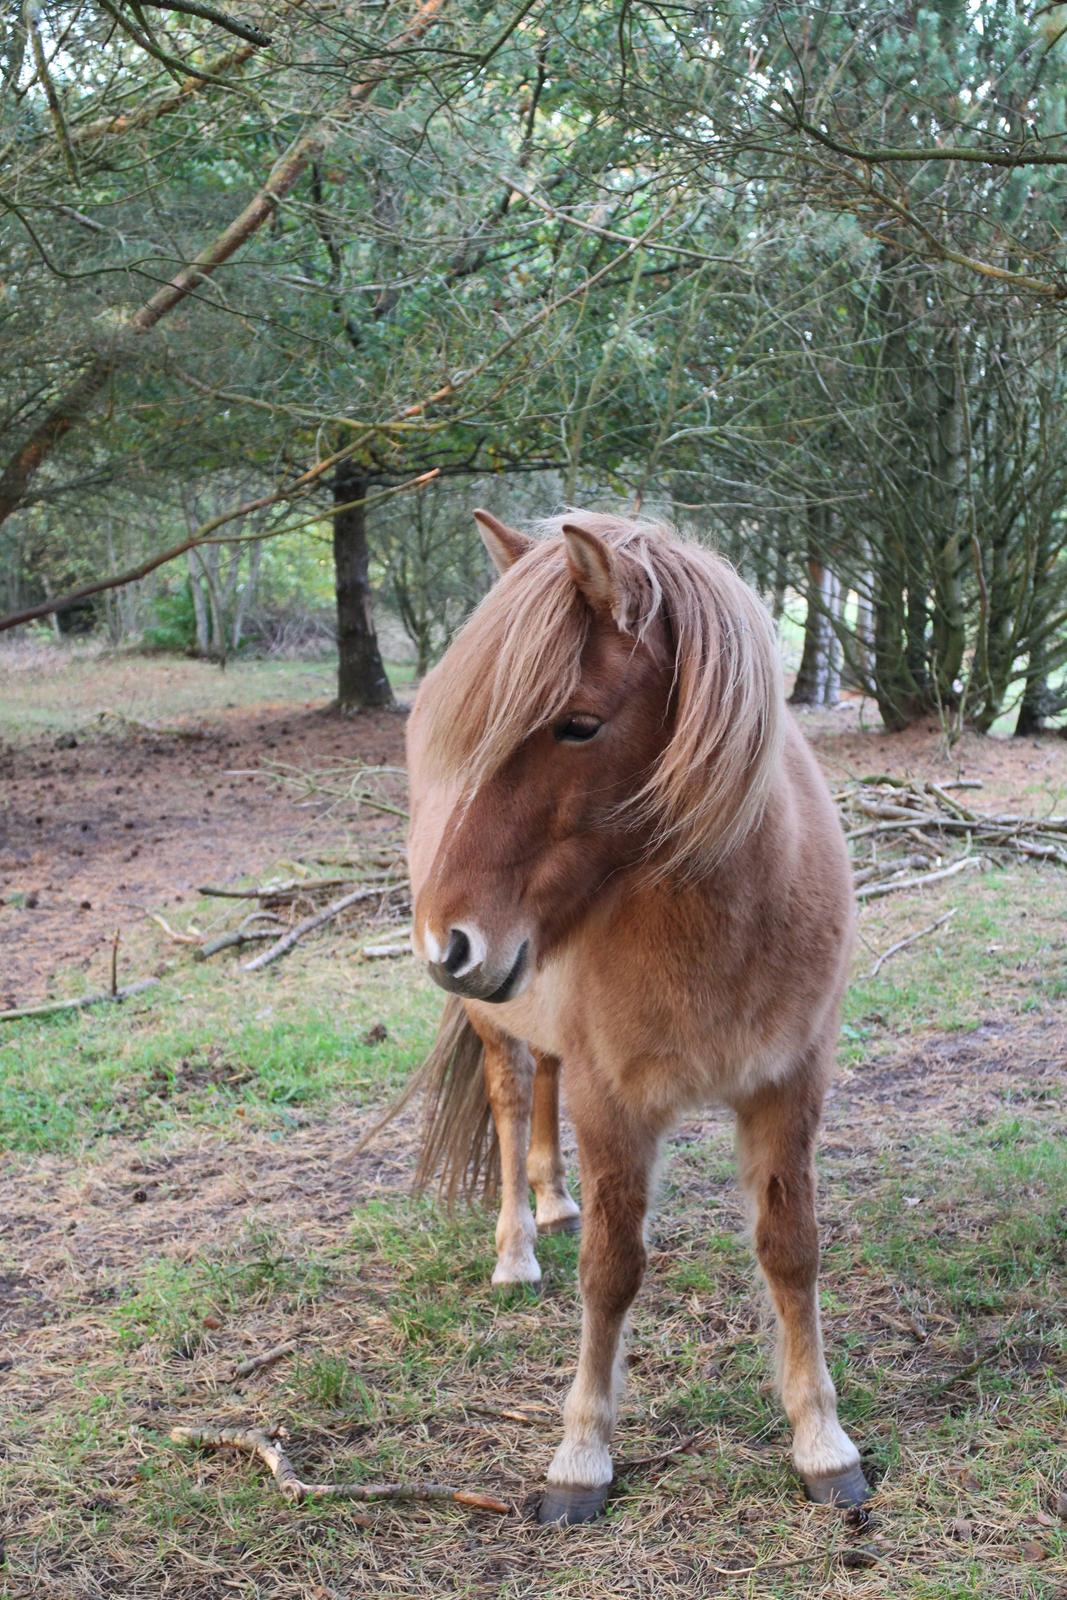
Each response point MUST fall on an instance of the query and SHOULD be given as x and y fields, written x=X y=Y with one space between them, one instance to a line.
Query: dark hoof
x=564 y=1225
x=848 y=1488
x=566 y=1503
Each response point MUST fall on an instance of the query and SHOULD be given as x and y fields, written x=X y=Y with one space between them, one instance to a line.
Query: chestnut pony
x=628 y=870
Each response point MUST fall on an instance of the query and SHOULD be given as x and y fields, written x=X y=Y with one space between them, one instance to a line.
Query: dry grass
x=137 y=1279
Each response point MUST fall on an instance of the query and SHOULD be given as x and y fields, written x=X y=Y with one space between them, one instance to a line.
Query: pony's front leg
x=509 y=1072
x=616 y=1159
x=555 y=1210
x=776 y=1142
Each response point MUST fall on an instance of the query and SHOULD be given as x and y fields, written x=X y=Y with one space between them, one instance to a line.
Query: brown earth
x=96 y=834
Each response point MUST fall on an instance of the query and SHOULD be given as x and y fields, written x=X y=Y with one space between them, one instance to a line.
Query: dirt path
x=95 y=835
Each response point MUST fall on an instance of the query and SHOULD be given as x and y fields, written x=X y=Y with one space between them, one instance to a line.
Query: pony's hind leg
x=616 y=1158
x=776 y=1141
x=509 y=1073
x=555 y=1210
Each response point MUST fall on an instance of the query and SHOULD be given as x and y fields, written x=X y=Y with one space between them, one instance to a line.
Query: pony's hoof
x=562 y=1225
x=848 y=1488
x=567 y=1503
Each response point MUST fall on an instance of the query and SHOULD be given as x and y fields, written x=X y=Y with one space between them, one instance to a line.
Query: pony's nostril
x=459 y=949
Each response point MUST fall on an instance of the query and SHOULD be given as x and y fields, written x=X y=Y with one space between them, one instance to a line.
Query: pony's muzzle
x=465 y=968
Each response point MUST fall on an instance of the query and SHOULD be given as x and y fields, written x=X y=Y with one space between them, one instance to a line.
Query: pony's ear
x=505 y=545
x=594 y=569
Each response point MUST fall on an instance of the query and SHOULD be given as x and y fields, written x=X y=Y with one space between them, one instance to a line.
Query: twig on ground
x=172 y=933
x=534 y=1414
x=902 y=944
x=679 y=1449
x=976 y=1365
x=273 y=891
x=116 y=996
x=872 y=891
x=255 y=1442
x=378 y=952
x=309 y=924
x=245 y=1369
x=236 y=937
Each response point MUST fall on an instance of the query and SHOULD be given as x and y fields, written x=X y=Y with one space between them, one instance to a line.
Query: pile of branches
x=279 y=914
x=373 y=893
x=905 y=833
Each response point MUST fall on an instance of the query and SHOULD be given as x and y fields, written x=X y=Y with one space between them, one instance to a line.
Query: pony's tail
x=458 y=1144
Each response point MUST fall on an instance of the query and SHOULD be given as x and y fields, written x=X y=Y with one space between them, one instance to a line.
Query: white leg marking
x=584 y=1457
x=820 y=1443
x=554 y=1204
x=516 y=1234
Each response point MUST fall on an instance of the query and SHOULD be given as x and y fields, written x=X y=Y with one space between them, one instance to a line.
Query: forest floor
x=178 y=1191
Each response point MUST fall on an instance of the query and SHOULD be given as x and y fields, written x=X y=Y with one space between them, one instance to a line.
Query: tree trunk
x=203 y=632
x=361 y=676
x=831 y=683
x=1035 y=706
x=818 y=678
x=806 y=685
x=246 y=593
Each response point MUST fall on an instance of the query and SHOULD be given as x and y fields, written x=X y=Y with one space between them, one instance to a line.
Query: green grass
x=1005 y=950
x=211 y=1042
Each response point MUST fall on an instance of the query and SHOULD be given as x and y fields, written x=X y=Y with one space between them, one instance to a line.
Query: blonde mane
x=516 y=664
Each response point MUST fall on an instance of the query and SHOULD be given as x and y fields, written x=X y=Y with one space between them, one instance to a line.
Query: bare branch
x=197 y=8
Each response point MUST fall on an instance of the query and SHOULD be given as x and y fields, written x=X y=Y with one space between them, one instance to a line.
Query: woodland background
x=791 y=275
x=287 y=287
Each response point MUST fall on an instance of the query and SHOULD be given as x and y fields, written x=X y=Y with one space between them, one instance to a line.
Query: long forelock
x=516 y=664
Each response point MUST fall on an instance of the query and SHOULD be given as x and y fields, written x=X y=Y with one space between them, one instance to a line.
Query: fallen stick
x=50 y=1006
x=902 y=944
x=172 y=933
x=270 y=890
x=642 y=1463
x=378 y=952
x=226 y=941
x=534 y=1414
x=880 y=869
x=871 y=891
x=256 y=1443
x=309 y=924
x=245 y=1369
x=974 y=1366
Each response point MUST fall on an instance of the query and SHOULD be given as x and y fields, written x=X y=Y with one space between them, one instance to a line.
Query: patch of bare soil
x=95 y=834
x=1016 y=774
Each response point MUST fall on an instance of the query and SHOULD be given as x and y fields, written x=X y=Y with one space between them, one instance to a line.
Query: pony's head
x=613 y=703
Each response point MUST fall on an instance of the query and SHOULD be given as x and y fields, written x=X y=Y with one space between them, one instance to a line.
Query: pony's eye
x=577 y=729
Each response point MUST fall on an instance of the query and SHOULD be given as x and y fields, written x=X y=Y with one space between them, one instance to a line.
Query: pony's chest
x=670 y=1046
x=540 y=1014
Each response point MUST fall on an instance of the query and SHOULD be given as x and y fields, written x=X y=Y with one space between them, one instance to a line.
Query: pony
x=628 y=873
